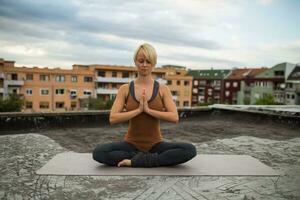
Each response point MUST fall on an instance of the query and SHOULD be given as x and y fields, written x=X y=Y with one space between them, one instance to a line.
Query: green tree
x=99 y=104
x=13 y=103
x=267 y=100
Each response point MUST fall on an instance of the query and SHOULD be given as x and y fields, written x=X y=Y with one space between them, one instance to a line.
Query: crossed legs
x=161 y=154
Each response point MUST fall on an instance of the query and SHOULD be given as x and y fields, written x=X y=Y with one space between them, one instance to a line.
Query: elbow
x=176 y=119
x=112 y=120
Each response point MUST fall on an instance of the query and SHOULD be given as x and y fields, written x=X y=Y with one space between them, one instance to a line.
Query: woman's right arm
x=116 y=114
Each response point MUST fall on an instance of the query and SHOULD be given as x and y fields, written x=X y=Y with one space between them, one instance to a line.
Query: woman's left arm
x=171 y=113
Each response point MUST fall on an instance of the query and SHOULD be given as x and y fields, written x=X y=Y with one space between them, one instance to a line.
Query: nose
x=145 y=63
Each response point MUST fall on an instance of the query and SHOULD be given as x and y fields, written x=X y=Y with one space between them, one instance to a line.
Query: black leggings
x=161 y=154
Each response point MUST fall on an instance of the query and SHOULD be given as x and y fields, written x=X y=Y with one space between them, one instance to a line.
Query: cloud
x=190 y=32
x=266 y=2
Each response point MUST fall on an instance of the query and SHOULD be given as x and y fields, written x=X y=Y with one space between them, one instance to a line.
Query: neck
x=144 y=80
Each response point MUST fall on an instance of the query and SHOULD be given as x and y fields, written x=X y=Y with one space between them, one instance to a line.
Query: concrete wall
x=37 y=121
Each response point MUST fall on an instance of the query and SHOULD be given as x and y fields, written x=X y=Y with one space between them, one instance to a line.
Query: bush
x=267 y=100
x=13 y=103
x=99 y=104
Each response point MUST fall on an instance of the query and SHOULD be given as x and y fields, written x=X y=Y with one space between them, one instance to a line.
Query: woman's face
x=144 y=66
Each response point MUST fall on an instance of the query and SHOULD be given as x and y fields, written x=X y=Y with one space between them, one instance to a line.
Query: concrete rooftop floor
x=276 y=145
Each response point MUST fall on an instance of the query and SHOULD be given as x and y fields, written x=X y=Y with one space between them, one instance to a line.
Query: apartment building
x=292 y=87
x=45 y=89
x=245 y=95
x=207 y=85
x=180 y=84
x=270 y=82
x=109 y=78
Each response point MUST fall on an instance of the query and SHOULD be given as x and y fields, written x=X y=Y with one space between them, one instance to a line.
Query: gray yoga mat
x=71 y=163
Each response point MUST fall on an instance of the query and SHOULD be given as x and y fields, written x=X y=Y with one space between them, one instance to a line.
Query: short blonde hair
x=149 y=51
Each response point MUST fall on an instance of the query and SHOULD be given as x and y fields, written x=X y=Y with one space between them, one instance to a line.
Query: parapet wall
x=37 y=121
x=22 y=122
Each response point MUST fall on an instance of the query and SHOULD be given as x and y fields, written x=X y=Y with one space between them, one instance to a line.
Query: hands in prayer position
x=144 y=103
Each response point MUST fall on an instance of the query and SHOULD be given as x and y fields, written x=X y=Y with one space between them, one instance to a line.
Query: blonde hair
x=149 y=52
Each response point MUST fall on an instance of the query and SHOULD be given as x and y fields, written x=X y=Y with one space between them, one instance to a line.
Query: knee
x=191 y=149
x=99 y=153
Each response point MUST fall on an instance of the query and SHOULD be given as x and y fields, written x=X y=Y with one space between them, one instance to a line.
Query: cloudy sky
x=198 y=34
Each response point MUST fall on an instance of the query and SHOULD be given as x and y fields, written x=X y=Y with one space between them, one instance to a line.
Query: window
x=209 y=91
x=201 y=91
x=177 y=103
x=217 y=82
x=44 y=77
x=88 y=79
x=114 y=74
x=178 y=82
x=73 y=105
x=185 y=103
x=195 y=82
x=287 y=96
x=29 y=91
x=73 y=92
x=44 y=91
x=227 y=93
x=202 y=82
x=101 y=73
x=28 y=104
x=44 y=105
x=227 y=85
x=186 y=83
x=194 y=98
x=235 y=84
x=74 y=79
x=159 y=75
x=292 y=96
x=169 y=82
x=102 y=85
x=174 y=93
x=87 y=93
x=195 y=90
x=60 y=78
x=114 y=86
x=29 y=77
x=125 y=75
x=59 y=104
x=14 y=76
x=59 y=91
x=279 y=73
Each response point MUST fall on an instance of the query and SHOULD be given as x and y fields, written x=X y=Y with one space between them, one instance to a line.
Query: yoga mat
x=70 y=163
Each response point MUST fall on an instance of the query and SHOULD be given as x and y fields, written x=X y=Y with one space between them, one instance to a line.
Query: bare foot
x=125 y=163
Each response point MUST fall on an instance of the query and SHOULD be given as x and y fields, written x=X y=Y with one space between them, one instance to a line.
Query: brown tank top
x=144 y=130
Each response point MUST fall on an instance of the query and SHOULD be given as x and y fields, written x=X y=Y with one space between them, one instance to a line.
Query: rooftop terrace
x=271 y=138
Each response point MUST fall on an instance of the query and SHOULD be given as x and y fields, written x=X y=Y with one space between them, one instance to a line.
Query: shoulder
x=163 y=89
x=124 y=89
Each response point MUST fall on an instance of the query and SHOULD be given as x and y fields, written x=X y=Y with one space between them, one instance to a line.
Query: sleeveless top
x=144 y=130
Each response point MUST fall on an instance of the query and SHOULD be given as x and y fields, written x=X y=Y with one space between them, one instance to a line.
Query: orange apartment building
x=57 y=89
x=180 y=85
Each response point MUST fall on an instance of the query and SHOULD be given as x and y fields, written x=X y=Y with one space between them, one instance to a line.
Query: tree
x=13 y=103
x=99 y=104
x=266 y=100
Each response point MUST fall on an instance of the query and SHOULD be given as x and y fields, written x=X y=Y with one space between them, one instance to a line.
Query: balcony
x=106 y=91
x=14 y=82
x=113 y=80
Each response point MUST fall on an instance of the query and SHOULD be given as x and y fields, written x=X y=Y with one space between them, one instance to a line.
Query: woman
x=145 y=102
